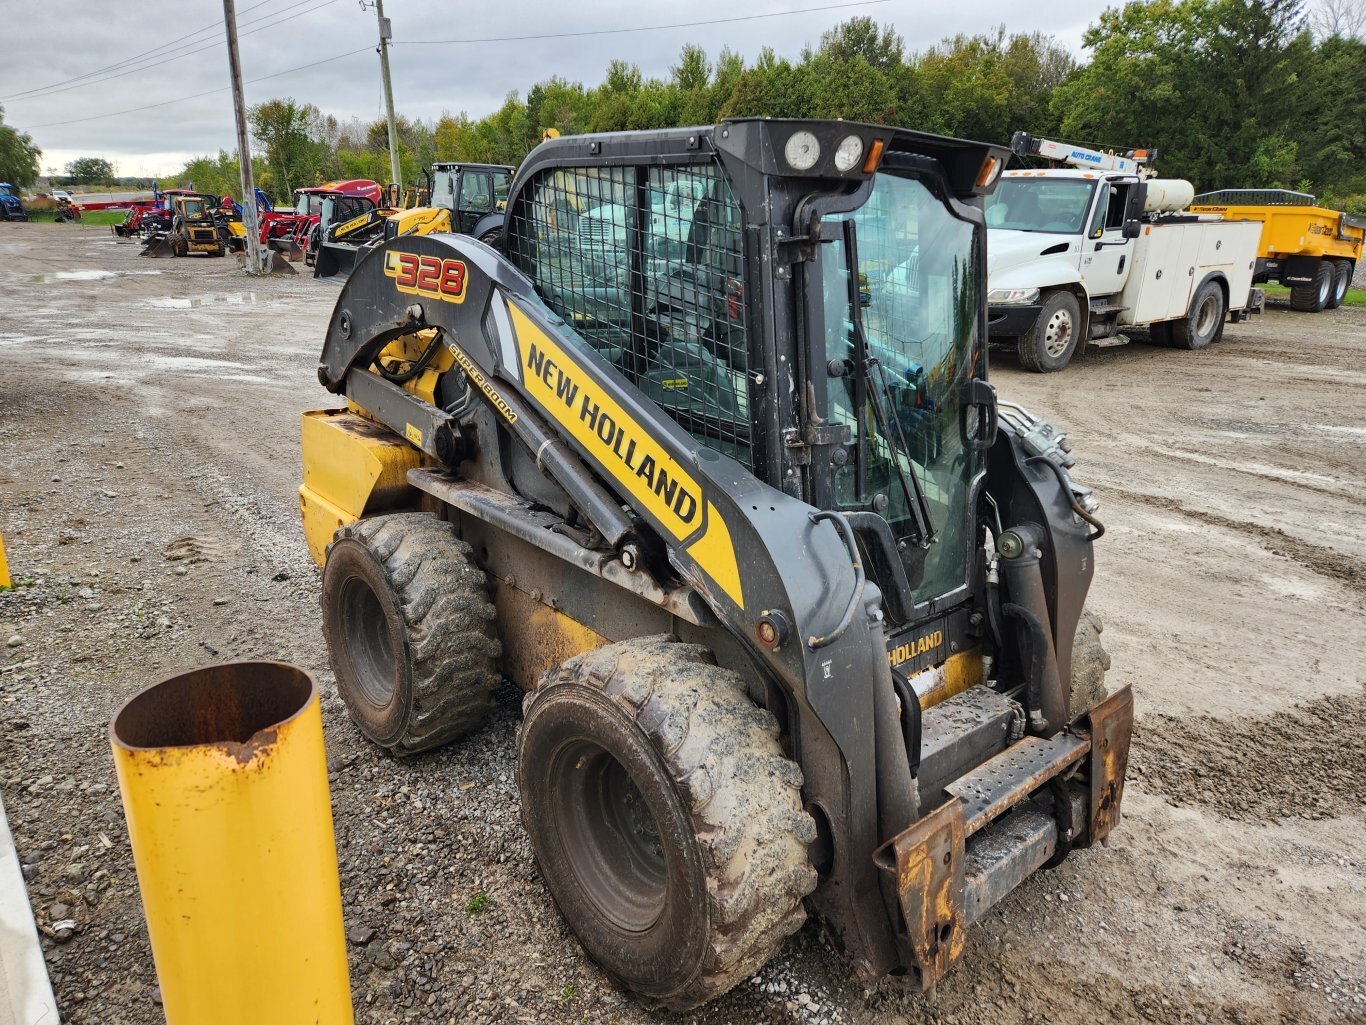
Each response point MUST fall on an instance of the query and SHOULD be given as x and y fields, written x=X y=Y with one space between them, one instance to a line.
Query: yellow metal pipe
x=224 y=783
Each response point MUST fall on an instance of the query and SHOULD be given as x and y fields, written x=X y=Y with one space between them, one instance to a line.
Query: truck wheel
x=1090 y=661
x=410 y=631
x=1205 y=321
x=665 y=818
x=1052 y=340
x=1342 y=277
x=1314 y=297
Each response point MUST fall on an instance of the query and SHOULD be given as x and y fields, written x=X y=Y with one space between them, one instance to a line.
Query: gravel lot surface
x=148 y=466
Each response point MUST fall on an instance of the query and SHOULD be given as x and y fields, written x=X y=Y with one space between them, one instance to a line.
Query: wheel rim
x=1206 y=317
x=1326 y=289
x=366 y=631
x=610 y=835
x=1057 y=333
x=1340 y=291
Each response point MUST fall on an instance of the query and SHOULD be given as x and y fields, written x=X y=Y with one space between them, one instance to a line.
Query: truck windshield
x=1055 y=205
x=919 y=304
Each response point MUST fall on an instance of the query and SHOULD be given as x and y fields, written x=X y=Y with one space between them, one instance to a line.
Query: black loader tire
x=493 y=238
x=179 y=246
x=1161 y=333
x=1342 y=278
x=1048 y=346
x=1090 y=662
x=1205 y=321
x=665 y=818
x=410 y=631
x=1313 y=297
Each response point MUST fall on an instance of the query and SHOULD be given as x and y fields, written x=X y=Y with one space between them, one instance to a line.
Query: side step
x=1000 y=783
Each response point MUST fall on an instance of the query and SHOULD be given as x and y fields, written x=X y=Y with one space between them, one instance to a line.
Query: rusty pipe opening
x=232 y=703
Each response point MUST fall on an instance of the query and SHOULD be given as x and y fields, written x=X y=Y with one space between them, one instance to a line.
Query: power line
x=642 y=28
x=162 y=60
x=195 y=96
x=126 y=60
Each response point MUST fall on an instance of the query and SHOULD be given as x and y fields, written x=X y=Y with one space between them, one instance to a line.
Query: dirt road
x=148 y=466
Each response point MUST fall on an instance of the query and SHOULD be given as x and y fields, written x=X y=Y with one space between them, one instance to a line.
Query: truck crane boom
x=1136 y=161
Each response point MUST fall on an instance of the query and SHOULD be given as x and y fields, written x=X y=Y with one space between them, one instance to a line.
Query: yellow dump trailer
x=1308 y=248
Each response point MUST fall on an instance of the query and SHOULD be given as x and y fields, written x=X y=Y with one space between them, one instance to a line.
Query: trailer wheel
x=1205 y=321
x=1051 y=342
x=665 y=818
x=1314 y=297
x=410 y=631
x=1342 y=277
x=1090 y=662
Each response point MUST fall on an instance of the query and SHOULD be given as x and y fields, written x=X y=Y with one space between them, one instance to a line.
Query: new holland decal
x=660 y=486
x=428 y=276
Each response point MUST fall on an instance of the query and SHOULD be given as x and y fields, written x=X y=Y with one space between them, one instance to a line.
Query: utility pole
x=254 y=263
x=385 y=34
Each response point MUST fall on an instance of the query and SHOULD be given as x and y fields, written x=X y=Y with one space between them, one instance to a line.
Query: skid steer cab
x=703 y=457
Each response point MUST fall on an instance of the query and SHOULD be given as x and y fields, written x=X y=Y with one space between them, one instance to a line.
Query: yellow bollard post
x=4 y=567
x=224 y=784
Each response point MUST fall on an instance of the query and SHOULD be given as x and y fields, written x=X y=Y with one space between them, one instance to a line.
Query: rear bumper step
x=999 y=825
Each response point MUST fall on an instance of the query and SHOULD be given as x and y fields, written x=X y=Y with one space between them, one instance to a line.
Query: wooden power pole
x=255 y=264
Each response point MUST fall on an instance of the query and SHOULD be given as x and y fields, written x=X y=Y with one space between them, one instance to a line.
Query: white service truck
x=1077 y=254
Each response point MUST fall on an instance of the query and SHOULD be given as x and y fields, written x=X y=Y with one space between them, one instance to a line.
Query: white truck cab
x=1076 y=254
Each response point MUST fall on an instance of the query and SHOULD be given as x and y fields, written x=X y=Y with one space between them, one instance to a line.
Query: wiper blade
x=889 y=427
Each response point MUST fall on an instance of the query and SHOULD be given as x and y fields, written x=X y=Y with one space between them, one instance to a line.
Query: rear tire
x=1090 y=662
x=1052 y=341
x=410 y=631
x=665 y=818
x=1342 y=277
x=1313 y=297
x=1205 y=321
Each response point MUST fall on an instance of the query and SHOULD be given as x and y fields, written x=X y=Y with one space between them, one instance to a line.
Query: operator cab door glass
x=1106 y=253
x=476 y=199
x=919 y=294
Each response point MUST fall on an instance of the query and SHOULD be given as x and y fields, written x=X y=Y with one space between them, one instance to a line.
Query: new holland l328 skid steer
x=704 y=459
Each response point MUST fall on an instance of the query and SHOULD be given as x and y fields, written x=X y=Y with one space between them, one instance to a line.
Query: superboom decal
x=657 y=483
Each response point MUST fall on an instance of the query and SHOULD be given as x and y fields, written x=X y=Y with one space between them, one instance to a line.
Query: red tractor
x=288 y=231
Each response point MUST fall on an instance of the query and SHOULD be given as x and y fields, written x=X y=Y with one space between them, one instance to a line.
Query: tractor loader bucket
x=272 y=262
x=337 y=261
x=158 y=247
x=287 y=248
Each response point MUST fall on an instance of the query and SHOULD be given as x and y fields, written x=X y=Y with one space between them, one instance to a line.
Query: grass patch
x=104 y=216
x=1354 y=296
x=477 y=903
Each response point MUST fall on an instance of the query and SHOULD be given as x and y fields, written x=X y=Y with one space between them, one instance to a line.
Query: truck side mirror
x=1132 y=229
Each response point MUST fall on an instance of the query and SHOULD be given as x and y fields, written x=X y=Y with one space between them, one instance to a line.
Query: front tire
x=1205 y=321
x=1051 y=342
x=410 y=631
x=1090 y=662
x=1314 y=297
x=665 y=818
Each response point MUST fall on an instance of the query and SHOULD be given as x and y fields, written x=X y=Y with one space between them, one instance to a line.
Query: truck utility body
x=1308 y=248
x=1076 y=255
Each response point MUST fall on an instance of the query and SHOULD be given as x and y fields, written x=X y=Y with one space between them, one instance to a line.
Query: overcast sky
x=46 y=45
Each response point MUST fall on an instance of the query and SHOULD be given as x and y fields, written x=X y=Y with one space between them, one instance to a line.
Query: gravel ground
x=148 y=463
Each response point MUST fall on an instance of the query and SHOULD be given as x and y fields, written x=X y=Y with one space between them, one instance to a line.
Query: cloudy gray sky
x=52 y=82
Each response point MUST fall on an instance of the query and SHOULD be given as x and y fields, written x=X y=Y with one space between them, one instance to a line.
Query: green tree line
x=1234 y=93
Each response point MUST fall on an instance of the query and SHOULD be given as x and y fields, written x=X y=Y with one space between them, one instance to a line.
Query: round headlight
x=802 y=151
x=849 y=154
